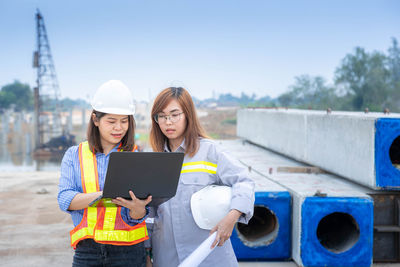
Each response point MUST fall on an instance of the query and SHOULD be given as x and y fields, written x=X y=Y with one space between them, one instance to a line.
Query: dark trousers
x=90 y=253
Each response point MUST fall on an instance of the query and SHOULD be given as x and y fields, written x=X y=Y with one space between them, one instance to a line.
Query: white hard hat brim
x=117 y=111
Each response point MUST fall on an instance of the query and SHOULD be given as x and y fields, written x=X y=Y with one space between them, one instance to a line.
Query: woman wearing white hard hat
x=179 y=227
x=103 y=236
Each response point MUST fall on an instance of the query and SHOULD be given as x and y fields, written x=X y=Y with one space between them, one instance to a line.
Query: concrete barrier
x=268 y=234
x=362 y=147
x=332 y=220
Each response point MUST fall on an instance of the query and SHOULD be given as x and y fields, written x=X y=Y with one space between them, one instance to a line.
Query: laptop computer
x=145 y=173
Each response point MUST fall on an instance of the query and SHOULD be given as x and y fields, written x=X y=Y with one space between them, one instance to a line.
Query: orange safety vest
x=102 y=224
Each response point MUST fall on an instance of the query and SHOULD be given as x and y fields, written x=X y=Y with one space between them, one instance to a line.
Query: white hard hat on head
x=210 y=204
x=113 y=97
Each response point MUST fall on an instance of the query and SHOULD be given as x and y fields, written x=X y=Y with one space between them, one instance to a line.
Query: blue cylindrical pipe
x=268 y=234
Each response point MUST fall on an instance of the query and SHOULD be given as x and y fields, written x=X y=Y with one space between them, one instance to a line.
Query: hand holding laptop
x=144 y=173
x=136 y=206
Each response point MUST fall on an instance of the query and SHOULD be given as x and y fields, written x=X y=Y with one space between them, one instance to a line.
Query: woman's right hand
x=82 y=200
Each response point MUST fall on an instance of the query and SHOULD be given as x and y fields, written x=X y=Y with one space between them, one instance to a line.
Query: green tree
x=309 y=92
x=364 y=78
x=394 y=69
x=17 y=94
x=287 y=99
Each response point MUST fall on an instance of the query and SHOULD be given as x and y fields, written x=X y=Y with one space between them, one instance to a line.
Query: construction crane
x=47 y=117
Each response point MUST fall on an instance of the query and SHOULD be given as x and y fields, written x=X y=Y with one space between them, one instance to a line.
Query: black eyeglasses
x=161 y=118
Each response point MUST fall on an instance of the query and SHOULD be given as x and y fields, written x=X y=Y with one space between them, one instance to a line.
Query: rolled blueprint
x=200 y=253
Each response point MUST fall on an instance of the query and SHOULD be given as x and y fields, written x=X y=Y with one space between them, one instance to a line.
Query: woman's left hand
x=137 y=207
x=225 y=227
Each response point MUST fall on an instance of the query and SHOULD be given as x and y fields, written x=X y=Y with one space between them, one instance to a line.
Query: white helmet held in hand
x=210 y=204
x=114 y=97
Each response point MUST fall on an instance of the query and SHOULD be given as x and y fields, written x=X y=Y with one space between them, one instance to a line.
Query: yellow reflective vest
x=102 y=224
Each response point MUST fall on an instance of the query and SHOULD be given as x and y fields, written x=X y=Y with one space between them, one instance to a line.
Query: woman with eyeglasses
x=176 y=128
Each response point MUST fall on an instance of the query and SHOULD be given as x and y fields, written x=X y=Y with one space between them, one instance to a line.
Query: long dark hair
x=193 y=128
x=93 y=134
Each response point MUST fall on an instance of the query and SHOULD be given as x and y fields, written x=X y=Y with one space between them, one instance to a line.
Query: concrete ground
x=34 y=232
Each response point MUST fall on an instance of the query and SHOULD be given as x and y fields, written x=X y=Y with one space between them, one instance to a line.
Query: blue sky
x=207 y=46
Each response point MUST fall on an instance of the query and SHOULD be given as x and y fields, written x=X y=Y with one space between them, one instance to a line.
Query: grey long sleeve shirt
x=175 y=234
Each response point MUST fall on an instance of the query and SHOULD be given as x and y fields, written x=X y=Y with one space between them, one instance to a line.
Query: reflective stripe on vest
x=103 y=224
x=199 y=166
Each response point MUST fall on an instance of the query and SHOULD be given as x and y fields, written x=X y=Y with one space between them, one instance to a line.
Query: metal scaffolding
x=47 y=92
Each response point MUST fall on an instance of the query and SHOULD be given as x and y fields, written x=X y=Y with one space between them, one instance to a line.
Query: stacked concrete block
x=362 y=147
x=268 y=234
x=332 y=220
